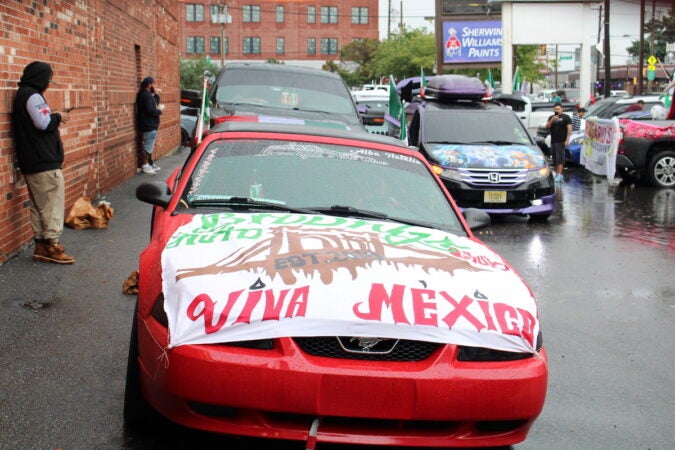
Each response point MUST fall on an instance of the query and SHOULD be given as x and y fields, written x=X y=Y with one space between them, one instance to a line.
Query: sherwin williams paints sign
x=472 y=41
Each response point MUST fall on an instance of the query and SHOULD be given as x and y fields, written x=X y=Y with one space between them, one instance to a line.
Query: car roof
x=278 y=67
x=432 y=105
x=308 y=130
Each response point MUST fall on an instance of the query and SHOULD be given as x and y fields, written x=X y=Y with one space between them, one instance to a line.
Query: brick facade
x=290 y=20
x=99 y=50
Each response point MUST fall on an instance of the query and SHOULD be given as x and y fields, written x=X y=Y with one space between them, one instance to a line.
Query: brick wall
x=99 y=50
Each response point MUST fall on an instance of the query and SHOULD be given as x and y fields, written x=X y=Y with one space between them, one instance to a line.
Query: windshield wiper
x=248 y=203
x=499 y=143
x=350 y=211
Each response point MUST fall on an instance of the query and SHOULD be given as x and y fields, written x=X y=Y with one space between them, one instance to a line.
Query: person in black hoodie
x=39 y=152
x=148 y=110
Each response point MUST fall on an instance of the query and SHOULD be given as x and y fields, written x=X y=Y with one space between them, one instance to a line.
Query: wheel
x=137 y=411
x=184 y=137
x=661 y=169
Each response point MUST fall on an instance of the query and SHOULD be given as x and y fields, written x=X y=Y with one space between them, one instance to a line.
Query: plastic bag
x=84 y=215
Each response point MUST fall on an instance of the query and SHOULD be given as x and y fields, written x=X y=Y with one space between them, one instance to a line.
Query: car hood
x=479 y=156
x=240 y=276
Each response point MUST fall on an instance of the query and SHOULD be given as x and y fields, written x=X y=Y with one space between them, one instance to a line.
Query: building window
x=251 y=13
x=360 y=15
x=329 y=46
x=281 y=46
x=194 y=13
x=195 y=44
x=280 y=14
x=214 y=46
x=329 y=14
x=311 y=46
x=311 y=14
x=251 y=46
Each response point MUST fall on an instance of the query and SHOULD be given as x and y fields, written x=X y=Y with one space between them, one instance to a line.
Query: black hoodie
x=37 y=150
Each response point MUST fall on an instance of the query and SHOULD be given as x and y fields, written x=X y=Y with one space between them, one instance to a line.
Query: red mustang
x=307 y=283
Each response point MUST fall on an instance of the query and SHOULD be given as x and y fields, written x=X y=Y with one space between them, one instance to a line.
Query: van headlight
x=534 y=175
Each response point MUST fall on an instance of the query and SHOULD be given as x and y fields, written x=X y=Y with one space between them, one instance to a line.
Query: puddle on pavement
x=641 y=214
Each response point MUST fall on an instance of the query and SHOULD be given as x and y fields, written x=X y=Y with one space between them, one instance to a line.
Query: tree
x=359 y=55
x=192 y=72
x=404 y=53
x=658 y=32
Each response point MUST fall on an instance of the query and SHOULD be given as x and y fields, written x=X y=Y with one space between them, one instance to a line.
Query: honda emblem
x=494 y=177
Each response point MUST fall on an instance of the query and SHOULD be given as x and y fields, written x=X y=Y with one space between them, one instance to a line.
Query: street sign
x=652 y=68
x=651 y=60
x=651 y=75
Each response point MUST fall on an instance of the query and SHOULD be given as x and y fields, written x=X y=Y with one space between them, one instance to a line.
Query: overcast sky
x=414 y=12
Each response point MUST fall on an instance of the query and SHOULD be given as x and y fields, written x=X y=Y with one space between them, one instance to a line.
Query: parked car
x=605 y=108
x=282 y=93
x=483 y=153
x=372 y=104
x=188 y=121
x=306 y=283
x=647 y=152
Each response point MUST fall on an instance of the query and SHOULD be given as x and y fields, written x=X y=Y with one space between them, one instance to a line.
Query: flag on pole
x=396 y=109
x=423 y=82
x=489 y=83
x=203 y=121
x=516 y=80
x=523 y=86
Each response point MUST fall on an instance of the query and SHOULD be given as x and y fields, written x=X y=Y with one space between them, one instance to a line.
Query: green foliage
x=358 y=54
x=657 y=32
x=192 y=72
x=403 y=54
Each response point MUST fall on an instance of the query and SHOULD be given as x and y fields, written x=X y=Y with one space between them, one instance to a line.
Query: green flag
x=423 y=81
x=516 y=80
x=394 y=100
x=490 y=81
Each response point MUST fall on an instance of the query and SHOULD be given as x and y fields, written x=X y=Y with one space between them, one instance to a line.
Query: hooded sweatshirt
x=36 y=128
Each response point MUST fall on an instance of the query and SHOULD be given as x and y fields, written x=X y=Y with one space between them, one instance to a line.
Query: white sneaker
x=147 y=168
x=154 y=167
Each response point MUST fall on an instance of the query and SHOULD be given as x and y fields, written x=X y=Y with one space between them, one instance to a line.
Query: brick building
x=301 y=32
x=99 y=50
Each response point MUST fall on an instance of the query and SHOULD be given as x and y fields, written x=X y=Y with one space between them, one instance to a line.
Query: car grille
x=493 y=177
x=401 y=350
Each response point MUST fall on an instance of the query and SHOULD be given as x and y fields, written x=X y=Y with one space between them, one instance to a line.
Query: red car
x=306 y=283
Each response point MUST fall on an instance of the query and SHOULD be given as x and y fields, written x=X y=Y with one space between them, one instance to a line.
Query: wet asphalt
x=602 y=268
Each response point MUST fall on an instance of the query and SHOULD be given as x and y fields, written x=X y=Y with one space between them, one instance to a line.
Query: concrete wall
x=99 y=50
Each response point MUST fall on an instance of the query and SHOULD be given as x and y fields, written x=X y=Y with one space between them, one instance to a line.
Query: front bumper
x=278 y=393
x=529 y=198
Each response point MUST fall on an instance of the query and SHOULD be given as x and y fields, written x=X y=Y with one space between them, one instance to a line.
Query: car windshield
x=474 y=126
x=599 y=106
x=284 y=90
x=318 y=178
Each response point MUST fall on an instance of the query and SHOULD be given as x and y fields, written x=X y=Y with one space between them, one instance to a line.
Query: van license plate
x=494 y=197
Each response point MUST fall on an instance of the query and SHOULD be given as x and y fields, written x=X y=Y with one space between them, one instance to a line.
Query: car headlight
x=481 y=354
x=533 y=175
x=450 y=174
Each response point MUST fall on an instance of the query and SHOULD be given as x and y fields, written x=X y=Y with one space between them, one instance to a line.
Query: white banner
x=601 y=143
x=231 y=277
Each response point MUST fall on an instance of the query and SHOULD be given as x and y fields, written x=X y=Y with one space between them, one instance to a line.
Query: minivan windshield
x=474 y=126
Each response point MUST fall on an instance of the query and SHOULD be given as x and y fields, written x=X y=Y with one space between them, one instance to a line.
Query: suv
x=483 y=153
x=282 y=93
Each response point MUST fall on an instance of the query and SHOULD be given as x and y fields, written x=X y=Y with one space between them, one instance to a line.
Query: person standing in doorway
x=147 y=119
x=560 y=126
x=40 y=155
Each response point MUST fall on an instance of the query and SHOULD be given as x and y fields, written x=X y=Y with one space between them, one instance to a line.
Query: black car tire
x=661 y=169
x=138 y=413
x=184 y=137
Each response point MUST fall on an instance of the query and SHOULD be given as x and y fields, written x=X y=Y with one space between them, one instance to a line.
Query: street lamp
x=222 y=18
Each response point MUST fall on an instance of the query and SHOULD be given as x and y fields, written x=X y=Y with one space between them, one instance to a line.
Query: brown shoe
x=51 y=251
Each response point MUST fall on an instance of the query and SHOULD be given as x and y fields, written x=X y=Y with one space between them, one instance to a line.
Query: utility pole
x=641 y=52
x=389 y=20
x=608 y=66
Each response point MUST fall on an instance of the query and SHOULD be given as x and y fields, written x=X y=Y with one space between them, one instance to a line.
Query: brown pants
x=47 y=203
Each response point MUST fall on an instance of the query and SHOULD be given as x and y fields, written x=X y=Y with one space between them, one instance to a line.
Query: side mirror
x=476 y=218
x=156 y=193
